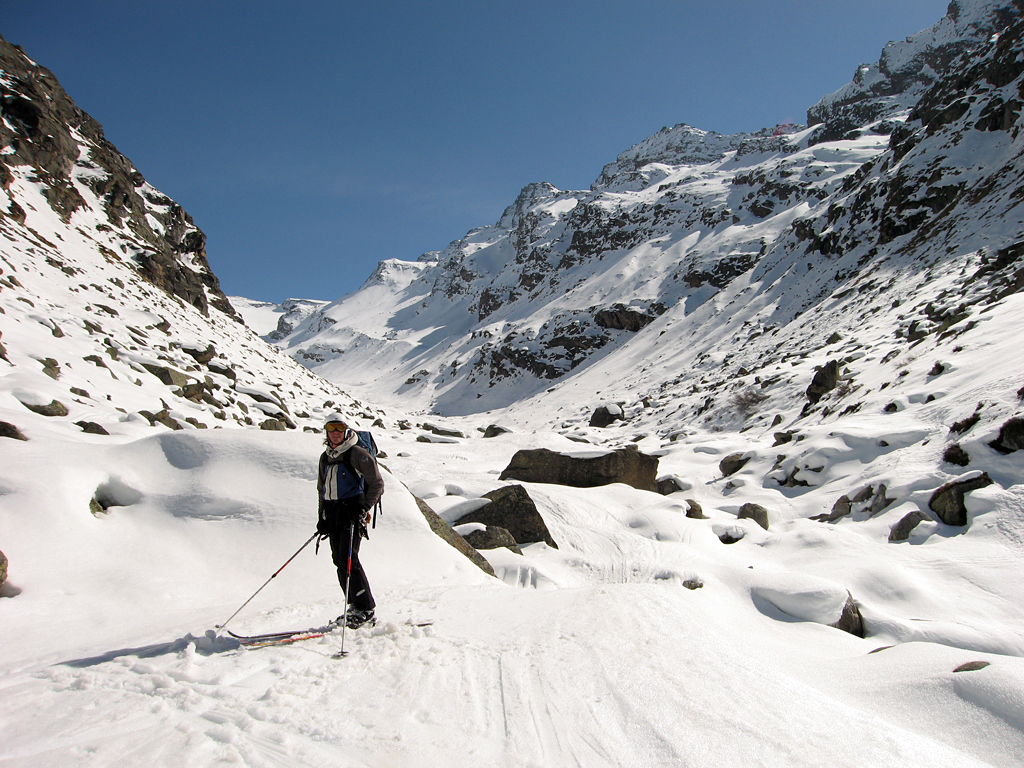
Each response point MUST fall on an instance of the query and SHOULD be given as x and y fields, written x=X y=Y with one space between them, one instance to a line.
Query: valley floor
x=603 y=658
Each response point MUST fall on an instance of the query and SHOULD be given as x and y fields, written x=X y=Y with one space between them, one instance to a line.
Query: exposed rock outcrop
x=47 y=132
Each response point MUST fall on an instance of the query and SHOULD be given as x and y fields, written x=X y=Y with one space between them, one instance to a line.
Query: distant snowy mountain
x=723 y=253
x=271 y=321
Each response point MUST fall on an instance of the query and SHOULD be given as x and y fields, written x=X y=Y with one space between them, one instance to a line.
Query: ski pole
x=348 y=584
x=221 y=626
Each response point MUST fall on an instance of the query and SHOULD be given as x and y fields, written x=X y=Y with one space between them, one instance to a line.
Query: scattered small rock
x=91 y=427
x=51 y=368
x=274 y=425
x=695 y=510
x=493 y=430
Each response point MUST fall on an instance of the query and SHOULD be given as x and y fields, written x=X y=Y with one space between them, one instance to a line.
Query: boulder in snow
x=53 y=408
x=625 y=465
x=11 y=431
x=825 y=379
x=754 y=512
x=732 y=464
x=3 y=570
x=512 y=508
x=948 y=500
x=1011 y=436
x=810 y=598
x=606 y=415
x=901 y=531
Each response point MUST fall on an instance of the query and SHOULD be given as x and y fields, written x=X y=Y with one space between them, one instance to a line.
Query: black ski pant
x=342 y=517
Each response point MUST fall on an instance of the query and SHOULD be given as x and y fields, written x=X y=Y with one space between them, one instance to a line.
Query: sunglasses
x=335 y=427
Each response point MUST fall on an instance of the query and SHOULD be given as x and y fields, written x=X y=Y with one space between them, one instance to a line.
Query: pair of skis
x=283 y=638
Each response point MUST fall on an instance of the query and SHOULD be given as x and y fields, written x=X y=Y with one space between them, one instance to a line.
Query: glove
x=321 y=527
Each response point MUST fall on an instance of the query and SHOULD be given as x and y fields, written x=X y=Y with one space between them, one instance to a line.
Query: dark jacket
x=364 y=464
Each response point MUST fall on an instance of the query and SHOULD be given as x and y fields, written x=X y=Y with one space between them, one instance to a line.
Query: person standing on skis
x=348 y=485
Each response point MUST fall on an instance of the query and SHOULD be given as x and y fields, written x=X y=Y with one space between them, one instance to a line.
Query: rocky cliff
x=48 y=141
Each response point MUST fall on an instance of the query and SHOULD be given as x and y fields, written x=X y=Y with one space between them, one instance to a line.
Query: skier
x=348 y=485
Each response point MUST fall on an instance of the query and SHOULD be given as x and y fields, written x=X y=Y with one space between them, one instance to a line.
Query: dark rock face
x=625 y=465
x=623 y=318
x=9 y=430
x=754 y=512
x=1011 y=436
x=493 y=537
x=850 y=620
x=512 y=508
x=825 y=379
x=3 y=570
x=948 y=500
x=901 y=531
x=39 y=125
x=442 y=529
x=732 y=464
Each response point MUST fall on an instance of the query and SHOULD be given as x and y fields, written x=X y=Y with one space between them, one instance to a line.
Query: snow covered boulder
x=625 y=465
x=810 y=598
x=606 y=415
x=512 y=508
x=948 y=500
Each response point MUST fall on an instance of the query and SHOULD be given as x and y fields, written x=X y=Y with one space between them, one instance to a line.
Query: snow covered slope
x=845 y=357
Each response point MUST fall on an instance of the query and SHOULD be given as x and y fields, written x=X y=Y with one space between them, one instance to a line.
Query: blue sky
x=309 y=140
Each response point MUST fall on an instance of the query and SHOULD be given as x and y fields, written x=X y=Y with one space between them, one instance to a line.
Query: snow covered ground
x=603 y=658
